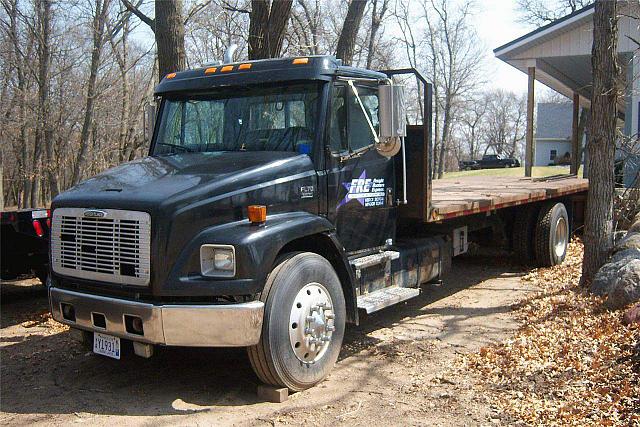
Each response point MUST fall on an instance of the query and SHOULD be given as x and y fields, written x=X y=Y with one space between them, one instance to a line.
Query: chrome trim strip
x=229 y=325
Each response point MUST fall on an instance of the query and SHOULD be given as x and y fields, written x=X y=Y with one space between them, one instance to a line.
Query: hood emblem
x=94 y=213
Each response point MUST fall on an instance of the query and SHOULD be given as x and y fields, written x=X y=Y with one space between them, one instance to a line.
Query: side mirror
x=392 y=113
x=149 y=120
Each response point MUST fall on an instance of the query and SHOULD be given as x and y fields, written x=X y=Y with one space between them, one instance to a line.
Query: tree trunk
x=267 y=25
x=598 y=234
x=99 y=20
x=43 y=10
x=169 y=32
x=349 y=32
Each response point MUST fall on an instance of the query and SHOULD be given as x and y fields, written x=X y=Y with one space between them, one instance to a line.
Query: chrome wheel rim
x=311 y=323
x=561 y=237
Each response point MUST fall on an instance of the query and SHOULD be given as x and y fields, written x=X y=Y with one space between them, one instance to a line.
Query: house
x=553 y=134
x=559 y=56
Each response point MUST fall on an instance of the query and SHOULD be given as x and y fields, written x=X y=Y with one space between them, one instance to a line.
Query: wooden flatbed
x=455 y=197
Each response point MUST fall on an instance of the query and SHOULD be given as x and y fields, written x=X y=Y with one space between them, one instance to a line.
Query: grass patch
x=538 y=171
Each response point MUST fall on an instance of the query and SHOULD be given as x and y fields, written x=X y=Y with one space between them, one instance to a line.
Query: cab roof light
x=244 y=67
x=226 y=68
x=170 y=75
x=299 y=61
x=211 y=70
x=257 y=214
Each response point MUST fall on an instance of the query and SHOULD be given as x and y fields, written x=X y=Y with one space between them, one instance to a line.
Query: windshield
x=247 y=118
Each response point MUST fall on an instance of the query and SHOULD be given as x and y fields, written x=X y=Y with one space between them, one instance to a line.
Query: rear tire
x=552 y=234
x=303 y=324
x=524 y=227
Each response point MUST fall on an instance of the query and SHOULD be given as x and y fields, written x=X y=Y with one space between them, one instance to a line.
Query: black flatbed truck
x=280 y=199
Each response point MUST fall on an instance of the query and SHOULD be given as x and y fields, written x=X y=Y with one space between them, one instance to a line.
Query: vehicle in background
x=468 y=165
x=25 y=243
x=281 y=199
x=494 y=161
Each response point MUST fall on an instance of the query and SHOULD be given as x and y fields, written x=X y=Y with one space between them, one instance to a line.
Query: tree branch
x=144 y=18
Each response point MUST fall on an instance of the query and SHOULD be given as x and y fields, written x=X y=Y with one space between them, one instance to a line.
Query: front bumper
x=230 y=325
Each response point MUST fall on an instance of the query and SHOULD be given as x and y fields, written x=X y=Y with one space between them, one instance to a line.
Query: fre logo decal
x=369 y=192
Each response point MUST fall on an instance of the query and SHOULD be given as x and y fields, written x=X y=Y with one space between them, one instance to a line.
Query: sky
x=496 y=22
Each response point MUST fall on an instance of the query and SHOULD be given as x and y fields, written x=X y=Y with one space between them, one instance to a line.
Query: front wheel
x=303 y=325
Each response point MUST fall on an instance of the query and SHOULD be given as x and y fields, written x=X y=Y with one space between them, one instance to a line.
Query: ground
x=395 y=366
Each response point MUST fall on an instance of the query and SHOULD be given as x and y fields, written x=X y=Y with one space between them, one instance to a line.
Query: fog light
x=217 y=260
x=68 y=312
x=133 y=324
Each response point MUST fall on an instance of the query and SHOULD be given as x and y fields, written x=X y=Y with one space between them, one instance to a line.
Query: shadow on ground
x=53 y=374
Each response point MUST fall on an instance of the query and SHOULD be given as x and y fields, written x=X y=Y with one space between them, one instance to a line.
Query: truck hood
x=150 y=182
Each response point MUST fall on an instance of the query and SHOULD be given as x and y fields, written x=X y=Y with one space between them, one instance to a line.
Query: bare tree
x=101 y=12
x=378 y=12
x=168 y=28
x=505 y=119
x=349 y=32
x=268 y=23
x=456 y=58
x=540 y=12
x=598 y=234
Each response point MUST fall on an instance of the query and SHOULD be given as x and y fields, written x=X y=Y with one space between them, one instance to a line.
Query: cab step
x=385 y=297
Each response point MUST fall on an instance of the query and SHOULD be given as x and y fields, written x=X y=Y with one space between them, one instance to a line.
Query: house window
x=553 y=155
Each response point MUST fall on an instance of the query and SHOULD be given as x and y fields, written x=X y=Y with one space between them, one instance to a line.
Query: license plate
x=106 y=345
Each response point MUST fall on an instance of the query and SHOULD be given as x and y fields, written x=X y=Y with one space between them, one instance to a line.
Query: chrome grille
x=108 y=245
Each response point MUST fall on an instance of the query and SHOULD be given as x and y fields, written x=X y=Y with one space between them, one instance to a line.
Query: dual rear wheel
x=541 y=234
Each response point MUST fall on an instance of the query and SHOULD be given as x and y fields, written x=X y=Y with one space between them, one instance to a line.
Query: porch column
x=528 y=163
x=575 y=143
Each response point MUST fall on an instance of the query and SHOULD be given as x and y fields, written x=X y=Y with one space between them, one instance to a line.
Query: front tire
x=303 y=324
x=552 y=234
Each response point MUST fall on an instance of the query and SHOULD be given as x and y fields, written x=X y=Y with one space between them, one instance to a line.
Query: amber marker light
x=257 y=214
x=226 y=68
x=244 y=67
x=211 y=70
x=170 y=75
x=299 y=61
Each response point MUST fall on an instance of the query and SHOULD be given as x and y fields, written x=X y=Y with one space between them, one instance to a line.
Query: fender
x=256 y=248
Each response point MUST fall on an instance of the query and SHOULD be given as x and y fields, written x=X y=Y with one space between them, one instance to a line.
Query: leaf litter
x=572 y=362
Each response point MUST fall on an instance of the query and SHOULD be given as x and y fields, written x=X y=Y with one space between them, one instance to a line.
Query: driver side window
x=349 y=130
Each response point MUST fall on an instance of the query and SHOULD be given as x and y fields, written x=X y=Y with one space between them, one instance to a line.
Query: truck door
x=360 y=193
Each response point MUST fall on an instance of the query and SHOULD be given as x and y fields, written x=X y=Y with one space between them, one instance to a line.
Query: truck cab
x=280 y=199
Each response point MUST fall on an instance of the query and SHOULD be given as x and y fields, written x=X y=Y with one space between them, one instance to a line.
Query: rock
x=618 y=236
x=626 y=288
x=627 y=254
x=630 y=241
x=606 y=279
x=632 y=315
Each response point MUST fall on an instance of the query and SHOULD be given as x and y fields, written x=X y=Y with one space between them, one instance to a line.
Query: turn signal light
x=257 y=214
x=299 y=61
x=244 y=67
x=227 y=68
x=210 y=70
x=170 y=75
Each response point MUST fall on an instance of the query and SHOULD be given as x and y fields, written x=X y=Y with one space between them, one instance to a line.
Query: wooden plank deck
x=454 y=197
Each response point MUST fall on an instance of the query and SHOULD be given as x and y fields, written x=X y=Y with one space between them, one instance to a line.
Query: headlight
x=218 y=260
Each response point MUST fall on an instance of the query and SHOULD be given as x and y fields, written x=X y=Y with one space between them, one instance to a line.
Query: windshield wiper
x=180 y=147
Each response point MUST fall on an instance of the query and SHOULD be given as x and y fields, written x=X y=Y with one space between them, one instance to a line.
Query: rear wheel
x=303 y=325
x=552 y=234
x=524 y=227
